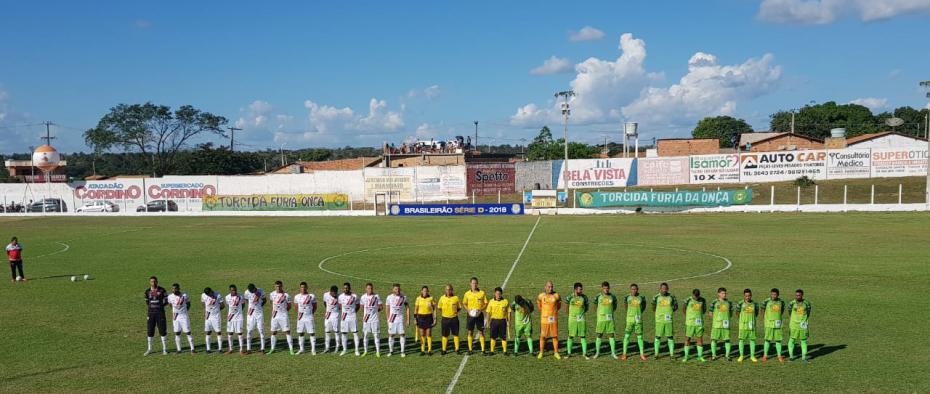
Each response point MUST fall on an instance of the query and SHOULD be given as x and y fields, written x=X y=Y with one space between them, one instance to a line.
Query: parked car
x=98 y=206
x=159 y=206
x=48 y=205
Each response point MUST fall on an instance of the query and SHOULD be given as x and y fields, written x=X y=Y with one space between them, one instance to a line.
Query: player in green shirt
x=720 y=311
x=635 y=306
x=664 y=305
x=774 y=307
x=522 y=309
x=798 y=330
x=577 y=327
x=606 y=305
x=747 y=309
x=695 y=308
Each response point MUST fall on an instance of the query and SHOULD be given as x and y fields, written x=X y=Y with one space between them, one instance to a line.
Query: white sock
x=149 y=343
x=345 y=342
x=313 y=343
x=355 y=339
x=177 y=342
x=164 y=343
x=248 y=343
x=219 y=342
x=190 y=341
x=240 y=343
x=403 y=342
x=390 y=344
x=206 y=340
x=261 y=339
x=377 y=344
x=300 y=340
x=365 y=342
x=325 y=341
x=274 y=340
x=290 y=342
x=230 y=343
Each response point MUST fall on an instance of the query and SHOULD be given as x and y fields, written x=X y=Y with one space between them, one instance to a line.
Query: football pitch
x=865 y=275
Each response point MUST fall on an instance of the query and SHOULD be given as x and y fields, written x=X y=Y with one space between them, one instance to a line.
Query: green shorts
x=523 y=330
x=605 y=327
x=633 y=327
x=720 y=334
x=747 y=335
x=799 y=333
x=664 y=329
x=694 y=331
x=577 y=328
x=773 y=334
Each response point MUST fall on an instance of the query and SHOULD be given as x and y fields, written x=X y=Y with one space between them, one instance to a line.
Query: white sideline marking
x=458 y=373
x=65 y=249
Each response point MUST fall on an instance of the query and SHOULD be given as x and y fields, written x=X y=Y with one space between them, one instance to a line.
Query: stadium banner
x=349 y=182
x=186 y=191
x=545 y=198
x=664 y=199
x=897 y=162
x=782 y=166
x=395 y=182
x=849 y=163
x=594 y=173
x=455 y=209
x=662 y=171
x=485 y=179
x=714 y=169
x=276 y=202
x=126 y=193
x=436 y=183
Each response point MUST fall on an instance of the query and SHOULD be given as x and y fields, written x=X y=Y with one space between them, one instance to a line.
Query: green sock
x=752 y=349
x=642 y=345
x=671 y=347
x=626 y=342
x=791 y=348
x=804 y=349
x=741 y=348
x=700 y=352
x=713 y=349
x=584 y=347
x=687 y=350
x=655 y=346
x=613 y=346
x=597 y=346
x=778 y=348
x=568 y=346
x=765 y=349
x=529 y=344
x=727 y=346
x=516 y=345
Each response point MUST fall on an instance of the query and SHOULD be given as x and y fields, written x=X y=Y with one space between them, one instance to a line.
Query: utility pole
x=792 y=121
x=566 y=111
x=926 y=84
x=232 y=138
x=48 y=133
x=476 y=135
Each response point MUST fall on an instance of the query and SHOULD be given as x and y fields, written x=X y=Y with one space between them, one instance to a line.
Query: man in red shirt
x=14 y=251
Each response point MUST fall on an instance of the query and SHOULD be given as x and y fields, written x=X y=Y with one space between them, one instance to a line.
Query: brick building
x=770 y=142
x=688 y=146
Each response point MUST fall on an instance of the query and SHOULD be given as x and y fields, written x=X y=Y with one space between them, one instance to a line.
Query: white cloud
x=621 y=89
x=424 y=131
x=872 y=103
x=553 y=65
x=430 y=93
x=255 y=115
x=828 y=11
x=586 y=33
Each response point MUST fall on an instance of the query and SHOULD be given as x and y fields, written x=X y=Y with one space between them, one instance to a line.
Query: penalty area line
x=458 y=372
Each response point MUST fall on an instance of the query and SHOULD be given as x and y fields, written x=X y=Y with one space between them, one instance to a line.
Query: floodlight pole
x=566 y=111
x=926 y=84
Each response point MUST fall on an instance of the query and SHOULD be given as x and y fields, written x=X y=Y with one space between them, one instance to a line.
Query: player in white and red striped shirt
x=398 y=317
x=371 y=304
x=348 y=301
x=306 y=306
x=280 y=320
x=331 y=317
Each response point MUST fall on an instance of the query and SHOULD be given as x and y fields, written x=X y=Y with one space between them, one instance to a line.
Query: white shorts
x=397 y=327
x=331 y=324
x=372 y=326
x=306 y=325
x=212 y=324
x=349 y=324
x=256 y=322
x=280 y=323
x=181 y=323
x=234 y=326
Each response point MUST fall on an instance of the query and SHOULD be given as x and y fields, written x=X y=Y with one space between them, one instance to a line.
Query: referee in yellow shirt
x=425 y=309
x=449 y=306
x=475 y=302
x=499 y=315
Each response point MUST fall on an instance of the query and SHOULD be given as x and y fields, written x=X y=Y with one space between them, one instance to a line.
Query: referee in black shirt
x=156 y=298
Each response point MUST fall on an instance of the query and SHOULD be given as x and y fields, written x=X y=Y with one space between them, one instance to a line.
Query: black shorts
x=475 y=323
x=450 y=326
x=498 y=329
x=424 y=321
x=157 y=320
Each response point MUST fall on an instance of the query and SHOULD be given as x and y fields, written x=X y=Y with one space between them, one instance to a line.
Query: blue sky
x=309 y=74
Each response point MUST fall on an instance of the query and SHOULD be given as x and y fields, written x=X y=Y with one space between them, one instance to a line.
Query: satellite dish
x=894 y=122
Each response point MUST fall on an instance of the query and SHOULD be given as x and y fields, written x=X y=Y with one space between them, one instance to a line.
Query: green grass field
x=865 y=274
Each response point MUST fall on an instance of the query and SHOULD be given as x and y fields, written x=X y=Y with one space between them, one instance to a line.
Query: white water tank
x=838 y=133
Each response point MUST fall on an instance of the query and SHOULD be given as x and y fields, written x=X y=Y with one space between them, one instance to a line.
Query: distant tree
x=914 y=121
x=816 y=120
x=153 y=130
x=725 y=128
